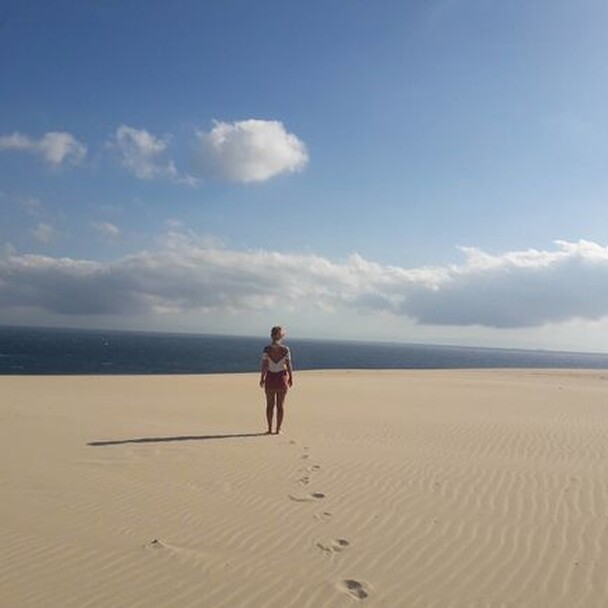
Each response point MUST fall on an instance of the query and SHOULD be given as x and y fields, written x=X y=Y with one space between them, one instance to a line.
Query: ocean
x=73 y=351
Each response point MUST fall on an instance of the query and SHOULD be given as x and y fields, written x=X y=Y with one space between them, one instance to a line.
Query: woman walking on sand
x=276 y=376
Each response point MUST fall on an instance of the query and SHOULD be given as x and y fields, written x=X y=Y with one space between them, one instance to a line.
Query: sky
x=429 y=171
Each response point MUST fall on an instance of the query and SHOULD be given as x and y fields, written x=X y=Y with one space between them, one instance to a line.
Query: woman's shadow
x=177 y=438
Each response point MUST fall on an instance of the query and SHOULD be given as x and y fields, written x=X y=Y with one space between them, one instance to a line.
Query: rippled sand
x=400 y=489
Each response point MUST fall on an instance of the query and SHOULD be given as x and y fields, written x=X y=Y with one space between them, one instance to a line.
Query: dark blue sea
x=71 y=351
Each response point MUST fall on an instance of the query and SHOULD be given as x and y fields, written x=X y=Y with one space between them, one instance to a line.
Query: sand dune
x=443 y=489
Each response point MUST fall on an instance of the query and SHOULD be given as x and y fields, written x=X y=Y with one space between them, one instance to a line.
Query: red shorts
x=276 y=381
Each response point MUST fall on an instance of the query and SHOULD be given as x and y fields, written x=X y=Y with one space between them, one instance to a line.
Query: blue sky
x=415 y=171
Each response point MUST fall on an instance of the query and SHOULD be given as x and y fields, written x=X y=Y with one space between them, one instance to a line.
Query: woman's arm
x=289 y=368
x=264 y=370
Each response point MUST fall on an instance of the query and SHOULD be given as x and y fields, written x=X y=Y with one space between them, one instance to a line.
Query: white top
x=276 y=365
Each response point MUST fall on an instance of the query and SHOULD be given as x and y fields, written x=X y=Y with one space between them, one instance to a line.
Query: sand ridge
x=430 y=489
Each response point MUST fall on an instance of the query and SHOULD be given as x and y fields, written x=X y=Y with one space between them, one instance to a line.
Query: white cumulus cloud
x=55 y=147
x=187 y=274
x=250 y=151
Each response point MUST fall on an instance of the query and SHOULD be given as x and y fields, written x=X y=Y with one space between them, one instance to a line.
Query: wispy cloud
x=514 y=289
x=106 y=230
x=142 y=153
x=43 y=232
x=249 y=151
x=32 y=206
x=55 y=147
x=146 y=156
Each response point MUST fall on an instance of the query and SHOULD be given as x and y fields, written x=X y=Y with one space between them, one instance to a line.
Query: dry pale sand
x=414 y=489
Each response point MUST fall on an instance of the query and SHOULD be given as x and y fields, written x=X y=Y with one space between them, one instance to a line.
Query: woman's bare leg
x=280 y=400
x=269 y=409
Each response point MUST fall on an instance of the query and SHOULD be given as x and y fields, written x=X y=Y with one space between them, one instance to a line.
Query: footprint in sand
x=191 y=553
x=304 y=481
x=333 y=546
x=156 y=545
x=324 y=516
x=356 y=589
x=307 y=497
x=310 y=469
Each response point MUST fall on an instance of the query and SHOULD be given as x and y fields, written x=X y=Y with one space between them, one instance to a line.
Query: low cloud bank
x=518 y=289
x=515 y=289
